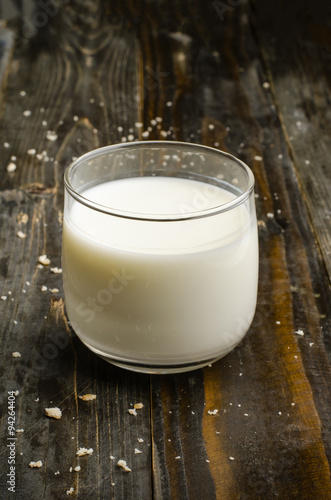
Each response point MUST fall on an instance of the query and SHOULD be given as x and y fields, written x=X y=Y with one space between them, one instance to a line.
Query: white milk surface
x=160 y=292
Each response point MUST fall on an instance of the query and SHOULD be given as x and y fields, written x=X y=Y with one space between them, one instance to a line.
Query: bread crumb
x=88 y=397
x=3 y=297
x=21 y=235
x=54 y=290
x=51 y=135
x=112 y=457
x=11 y=167
x=16 y=354
x=132 y=411
x=35 y=464
x=84 y=451
x=258 y=158
x=53 y=413
x=56 y=270
x=56 y=473
x=266 y=85
x=138 y=406
x=231 y=458
x=122 y=463
x=140 y=440
x=136 y=451
x=27 y=112
x=43 y=288
x=70 y=491
x=177 y=458
x=19 y=430
x=31 y=151
x=77 y=469
x=212 y=412
x=300 y=332
x=44 y=260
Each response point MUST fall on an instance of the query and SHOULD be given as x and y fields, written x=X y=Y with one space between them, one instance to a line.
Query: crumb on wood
x=123 y=464
x=84 y=451
x=70 y=491
x=11 y=167
x=35 y=464
x=44 y=260
x=88 y=397
x=16 y=354
x=136 y=451
x=53 y=413
x=77 y=469
x=138 y=406
x=212 y=412
x=56 y=270
x=132 y=411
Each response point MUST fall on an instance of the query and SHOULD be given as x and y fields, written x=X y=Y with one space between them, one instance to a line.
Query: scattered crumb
x=44 y=260
x=258 y=158
x=35 y=464
x=211 y=126
x=84 y=451
x=27 y=112
x=212 y=412
x=70 y=469
x=77 y=469
x=231 y=458
x=132 y=411
x=177 y=458
x=138 y=406
x=53 y=413
x=307 y=162
x=270 y=215
x=21 y=235
x=112 y=457
x=145 y=134
x=278 y=323
x=300 y=332
x=16 y=393
x=88 y=397
x=51 y=135
x=140 y=440
x=136 y=451
x=208 y=461
x=3 y=297
x=266 y=85
x=43 y=288
x=54 y=290
x=56 y=270
x=16 y=354
x=11 y=167
x=23 y=93
x=311 y=344
x=56 y=473
x=70 y=491
x=122 y=463
x=19 y=430
x=31 y=151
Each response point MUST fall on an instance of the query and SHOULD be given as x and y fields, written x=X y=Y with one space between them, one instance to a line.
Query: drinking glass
x=160 y=254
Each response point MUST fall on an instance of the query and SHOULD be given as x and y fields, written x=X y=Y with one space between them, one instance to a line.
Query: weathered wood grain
x=93 y=74
x=296 y=47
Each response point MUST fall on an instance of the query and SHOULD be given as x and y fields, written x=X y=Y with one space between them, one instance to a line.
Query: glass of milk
x=160 y=254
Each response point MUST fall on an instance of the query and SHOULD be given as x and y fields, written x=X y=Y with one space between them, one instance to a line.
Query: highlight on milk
x=160 y=258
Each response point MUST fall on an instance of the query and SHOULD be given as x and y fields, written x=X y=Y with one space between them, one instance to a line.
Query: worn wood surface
x=251 y=79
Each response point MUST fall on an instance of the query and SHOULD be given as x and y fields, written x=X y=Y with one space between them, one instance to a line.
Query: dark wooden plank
x=199 y=68
x=68 y=69
x=272 y=393
x=296 y=46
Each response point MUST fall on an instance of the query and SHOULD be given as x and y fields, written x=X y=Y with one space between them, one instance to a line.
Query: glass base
x=155 y=369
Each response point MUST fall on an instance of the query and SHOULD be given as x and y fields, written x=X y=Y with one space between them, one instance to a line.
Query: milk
x=163 y=292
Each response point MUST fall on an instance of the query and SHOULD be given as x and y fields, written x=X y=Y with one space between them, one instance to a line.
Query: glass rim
x=196 y=214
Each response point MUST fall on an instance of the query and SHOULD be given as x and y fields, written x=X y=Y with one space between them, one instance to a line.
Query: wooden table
x=251 y=78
